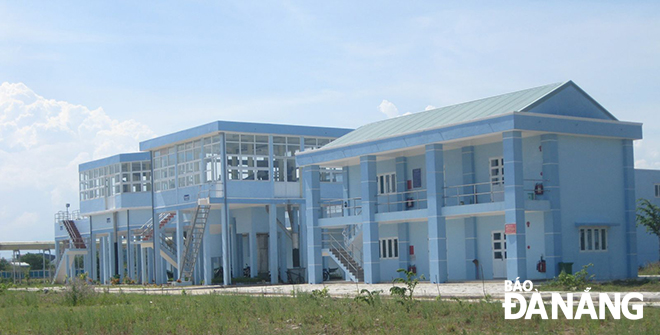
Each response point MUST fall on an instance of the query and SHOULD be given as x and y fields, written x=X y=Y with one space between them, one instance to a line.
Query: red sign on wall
x=510 y=228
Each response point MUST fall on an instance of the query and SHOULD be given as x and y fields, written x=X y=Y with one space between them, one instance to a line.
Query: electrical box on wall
x=412 y=249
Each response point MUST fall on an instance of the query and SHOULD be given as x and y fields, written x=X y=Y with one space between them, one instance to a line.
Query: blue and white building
x=484 y=189
x=518 y=185
x=225 y=195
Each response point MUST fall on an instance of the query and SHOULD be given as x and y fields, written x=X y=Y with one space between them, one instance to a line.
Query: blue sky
x=132 y=70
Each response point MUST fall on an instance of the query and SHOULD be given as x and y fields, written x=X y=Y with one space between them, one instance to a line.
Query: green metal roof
x=445 y=116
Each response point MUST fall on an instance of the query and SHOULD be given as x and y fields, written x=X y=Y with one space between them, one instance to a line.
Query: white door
x=499 y=254
x=496 y=172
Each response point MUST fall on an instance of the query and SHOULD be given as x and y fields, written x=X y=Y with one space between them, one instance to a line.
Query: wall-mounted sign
x=510 y=228
x=186 y=197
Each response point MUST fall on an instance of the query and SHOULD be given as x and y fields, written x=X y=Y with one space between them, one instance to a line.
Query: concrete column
x=101 y=260
x=630 y=206
x=471 y=270
x=208 y=262
x=401 y=177
x=114 y=268
x=120 y=257
x=226 y=255
x=129 y=247
x=253 y=250
x=514 y=205
x=178 y=239
x=370 y=236
x=236 y=269
x=92 y=253
x=273 y=261
x=312 y=189
x=159 y=270
x=404 y=243
x=470 y=223
x=345 y=191
x=436 y=222
x=552 y=218
x=302 y=225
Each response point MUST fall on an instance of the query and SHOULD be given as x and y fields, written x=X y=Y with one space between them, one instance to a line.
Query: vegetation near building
x=648 y=215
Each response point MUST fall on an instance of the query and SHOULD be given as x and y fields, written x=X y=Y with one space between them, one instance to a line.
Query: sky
x=84 y=80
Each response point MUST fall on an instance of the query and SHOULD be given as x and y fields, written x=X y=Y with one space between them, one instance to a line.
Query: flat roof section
x=241 y=127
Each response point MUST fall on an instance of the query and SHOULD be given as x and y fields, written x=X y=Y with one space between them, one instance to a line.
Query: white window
x=331 y=175
x=497 y=171
x=593 y=239
x=247 y=157
x=389 y=248
x=657 y=190
x=386 y=183
x=284 y=161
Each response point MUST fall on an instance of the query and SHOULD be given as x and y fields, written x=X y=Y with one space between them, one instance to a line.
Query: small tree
x=4 y=264
x=648 y=215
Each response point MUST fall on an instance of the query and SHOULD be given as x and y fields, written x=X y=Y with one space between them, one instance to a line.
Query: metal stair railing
x=352 y=265
x=147 y=229
x=193 y=240
x=169 y=245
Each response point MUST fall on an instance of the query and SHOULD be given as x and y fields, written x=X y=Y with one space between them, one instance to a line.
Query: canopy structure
x=35 y=245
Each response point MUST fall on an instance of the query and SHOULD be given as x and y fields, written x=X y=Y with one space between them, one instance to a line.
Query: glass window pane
x=232 y=149
x=396 y=247
x=589 y=240
x=261 y=149
x=582 y=246
x=293 y=140
x=261 y=139
x=232 y=137
x=279 y=139
x=596 y=239
x=603 y=235
x=247 y=138
x=390 y=252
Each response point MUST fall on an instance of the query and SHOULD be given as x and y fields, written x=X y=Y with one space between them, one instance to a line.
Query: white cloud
x=429 y=107
x=42 y=141
x=647 y=155
x=388 y=108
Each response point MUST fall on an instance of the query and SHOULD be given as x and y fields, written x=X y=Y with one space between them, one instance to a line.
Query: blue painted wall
x=571 y=101
x=591 y=182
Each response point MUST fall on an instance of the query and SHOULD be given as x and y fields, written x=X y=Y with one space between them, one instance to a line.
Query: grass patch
x=105 y=313
x=650 y=269
x=628 y=285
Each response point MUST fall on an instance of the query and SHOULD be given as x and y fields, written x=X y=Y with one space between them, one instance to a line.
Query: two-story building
x=225 y=195
x=516 y=185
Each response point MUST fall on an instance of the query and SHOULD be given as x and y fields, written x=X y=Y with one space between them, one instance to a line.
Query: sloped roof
x=444 y=116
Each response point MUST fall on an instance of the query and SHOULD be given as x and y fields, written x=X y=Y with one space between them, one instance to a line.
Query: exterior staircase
x=168 y=246
x=349 y=260
x=76 y=238
x=194 y=238
x=346 y=261
x=147 y=229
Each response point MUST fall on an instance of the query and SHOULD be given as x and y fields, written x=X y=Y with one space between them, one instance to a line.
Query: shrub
x=319 y=294
x=78 y=291
x=411 y=281
x=370 y=297
x=577 y=281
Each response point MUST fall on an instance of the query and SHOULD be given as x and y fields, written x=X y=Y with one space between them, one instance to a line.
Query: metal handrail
x=66 y=215
x=332 y=242
x=406 y=199
x=331 y=208
x=472 y=192
x=169 y=244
